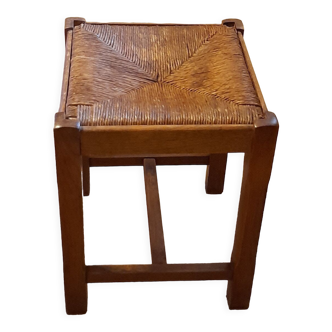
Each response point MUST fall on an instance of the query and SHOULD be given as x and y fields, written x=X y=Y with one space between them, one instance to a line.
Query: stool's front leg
x=256 y=175
x=68 y=162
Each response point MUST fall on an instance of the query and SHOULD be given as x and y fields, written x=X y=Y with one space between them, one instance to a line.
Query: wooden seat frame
x=80 y=147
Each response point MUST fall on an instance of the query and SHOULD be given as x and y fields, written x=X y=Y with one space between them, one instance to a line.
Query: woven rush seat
x=159 y=75
x=160 y=94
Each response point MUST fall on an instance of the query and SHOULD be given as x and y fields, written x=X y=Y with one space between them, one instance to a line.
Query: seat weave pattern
x=159 y=75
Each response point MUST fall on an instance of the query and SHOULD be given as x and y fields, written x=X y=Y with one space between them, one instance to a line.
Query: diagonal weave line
x=224 y=75
x=158 y=50
x=98 y=72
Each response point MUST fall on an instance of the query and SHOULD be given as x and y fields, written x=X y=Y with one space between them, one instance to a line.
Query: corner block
x=71 y=22
x=60 y=121
x=269 y=120
x=234 y=22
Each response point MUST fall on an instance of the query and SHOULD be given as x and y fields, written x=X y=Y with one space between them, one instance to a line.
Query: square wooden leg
x=256 y=175
x=86 y=176
x=157 y=242
x=215 y=173
x=68 y=162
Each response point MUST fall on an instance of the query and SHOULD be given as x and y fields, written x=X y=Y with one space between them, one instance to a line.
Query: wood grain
x=138 y=161
x=156 y=232
x=139 y=141
x=158 y=272
x=66 y=69
x=68 y=163
x=256 y=175
x=215 y=174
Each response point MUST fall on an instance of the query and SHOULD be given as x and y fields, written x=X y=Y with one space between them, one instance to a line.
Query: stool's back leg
x=215 y=173
x=157 y=242
x=256 y=175
x=68 y=162
x=86 y=177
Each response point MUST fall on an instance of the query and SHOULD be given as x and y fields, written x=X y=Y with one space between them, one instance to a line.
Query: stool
x=160 y=94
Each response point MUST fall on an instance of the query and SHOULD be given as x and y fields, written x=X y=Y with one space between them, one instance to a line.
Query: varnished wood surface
x=68 y=163
x=86 y=176
x=215 y=173
x=139 y=141
x=71 y=22
x=256 y=175
x=66 y=69
x=157 y=243
x=160 y=160
x=158 y=272
x=253 y=73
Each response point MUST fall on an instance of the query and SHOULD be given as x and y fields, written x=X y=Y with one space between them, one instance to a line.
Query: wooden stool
x=154 y=94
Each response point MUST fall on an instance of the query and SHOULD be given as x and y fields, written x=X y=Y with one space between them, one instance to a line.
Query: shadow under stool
x=160 y=94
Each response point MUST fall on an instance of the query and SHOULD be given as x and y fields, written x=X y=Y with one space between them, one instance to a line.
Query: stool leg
x=157 y=242
x=86 y=177
x=256 y=175
x=215 y=173
x=68 y=162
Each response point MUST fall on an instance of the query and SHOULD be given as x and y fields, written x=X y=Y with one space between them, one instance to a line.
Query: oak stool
x=160 y=94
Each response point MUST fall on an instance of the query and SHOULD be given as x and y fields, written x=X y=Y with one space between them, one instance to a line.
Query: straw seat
x=159 y=75
x=160 y=94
